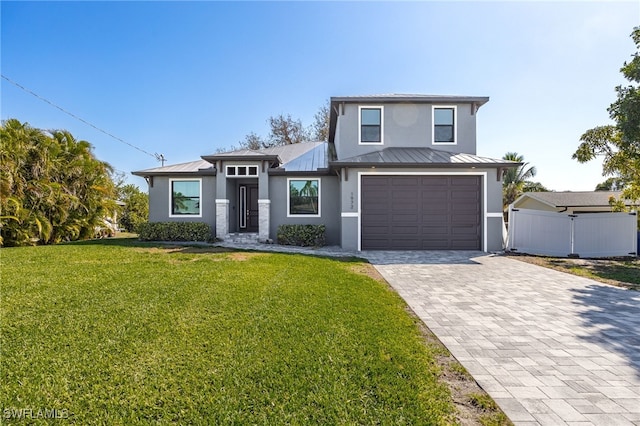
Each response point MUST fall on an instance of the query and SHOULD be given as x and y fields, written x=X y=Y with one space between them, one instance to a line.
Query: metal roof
x=301 y=157
x=409 y=157
x=198 y=166
x=574 y=199
x=241 y=155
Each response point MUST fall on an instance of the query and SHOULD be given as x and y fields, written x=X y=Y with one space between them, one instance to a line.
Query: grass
x=485 y=403
x=623 y=273
x=114 y=332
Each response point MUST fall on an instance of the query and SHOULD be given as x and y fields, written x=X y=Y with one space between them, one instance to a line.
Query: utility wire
x=158 y=157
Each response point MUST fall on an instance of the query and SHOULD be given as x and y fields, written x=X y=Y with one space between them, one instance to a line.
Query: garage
x=418 y=212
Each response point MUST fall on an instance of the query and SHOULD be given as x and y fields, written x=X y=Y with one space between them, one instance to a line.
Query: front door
x=248 y=211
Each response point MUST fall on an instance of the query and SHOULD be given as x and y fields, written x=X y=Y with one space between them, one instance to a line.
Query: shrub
x=302 y=235
x=174 y=231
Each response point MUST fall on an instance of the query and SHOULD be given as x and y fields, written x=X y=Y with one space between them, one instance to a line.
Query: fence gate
x=572 y=235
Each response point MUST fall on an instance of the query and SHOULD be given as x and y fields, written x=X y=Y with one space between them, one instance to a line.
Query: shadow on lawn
x=198 y=248
x=423 y=257
x=626 y=272
x=613 y=315
x=116 y=241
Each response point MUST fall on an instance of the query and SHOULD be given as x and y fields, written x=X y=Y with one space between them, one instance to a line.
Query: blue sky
x=186 y=78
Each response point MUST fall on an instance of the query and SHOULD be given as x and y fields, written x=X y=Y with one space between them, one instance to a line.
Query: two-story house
x=398 y=172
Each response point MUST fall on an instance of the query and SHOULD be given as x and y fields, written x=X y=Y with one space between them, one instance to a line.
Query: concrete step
x=242 y=237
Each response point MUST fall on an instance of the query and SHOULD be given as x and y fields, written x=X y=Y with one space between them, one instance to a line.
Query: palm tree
x=52 y=187
x=515 y=179
x=23 y=178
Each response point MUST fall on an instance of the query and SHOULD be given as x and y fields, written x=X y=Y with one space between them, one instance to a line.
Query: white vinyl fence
x=572 y=235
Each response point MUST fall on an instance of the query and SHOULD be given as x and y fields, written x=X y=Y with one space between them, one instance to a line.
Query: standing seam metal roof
x=190 y=167
x=421 y=156
x=301 y=157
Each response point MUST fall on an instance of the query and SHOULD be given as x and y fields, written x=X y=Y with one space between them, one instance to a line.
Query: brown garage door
x=420 y=212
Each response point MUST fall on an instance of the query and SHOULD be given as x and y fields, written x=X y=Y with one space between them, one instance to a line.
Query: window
x=304 y=197
x=242 y=171
x=444 y=125
x=370 y=125
x=185 y=197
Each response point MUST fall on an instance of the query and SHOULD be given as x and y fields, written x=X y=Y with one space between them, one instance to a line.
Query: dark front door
x=248 y=210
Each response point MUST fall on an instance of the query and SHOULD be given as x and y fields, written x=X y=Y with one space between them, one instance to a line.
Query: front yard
x=130 y=333
x=619 y=272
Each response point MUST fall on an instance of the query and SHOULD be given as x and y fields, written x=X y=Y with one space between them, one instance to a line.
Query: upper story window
x=242 y=171
x=304 y=198
x=371 y=124
x=444 y=125
x=185 y=197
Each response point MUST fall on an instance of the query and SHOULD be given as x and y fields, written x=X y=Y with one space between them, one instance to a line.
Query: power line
x=158 y=157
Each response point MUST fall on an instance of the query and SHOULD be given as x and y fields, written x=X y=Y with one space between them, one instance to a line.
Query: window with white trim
x=185 y=196
x=370 y=121
x=444 y=125
x=303 y=198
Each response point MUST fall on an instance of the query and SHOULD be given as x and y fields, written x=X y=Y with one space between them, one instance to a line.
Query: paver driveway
x=550 y=348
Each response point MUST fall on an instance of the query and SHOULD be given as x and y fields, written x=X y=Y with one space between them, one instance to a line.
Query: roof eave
x=480 y=100
x=421 y=165
x=284 y=172
x=257 y=157
x=202 y=172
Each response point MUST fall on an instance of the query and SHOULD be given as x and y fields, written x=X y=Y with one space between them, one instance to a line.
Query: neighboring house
x=398 y=172
x=569 y=202
x=109 y=226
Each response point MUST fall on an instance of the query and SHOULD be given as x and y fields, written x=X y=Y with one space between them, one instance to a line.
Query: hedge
x=302 y=235
x=175 y=231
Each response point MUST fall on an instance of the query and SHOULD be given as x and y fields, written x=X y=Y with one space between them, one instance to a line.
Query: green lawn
x=117 y=334
x=624 y=273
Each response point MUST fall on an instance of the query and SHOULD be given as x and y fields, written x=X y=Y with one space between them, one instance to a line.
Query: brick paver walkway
x=550 y=348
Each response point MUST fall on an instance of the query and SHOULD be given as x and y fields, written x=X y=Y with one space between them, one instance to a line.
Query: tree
x=611 y=184
x=534 y=187
x=619 y=144
x=53 y=188
x=515 y=180
x=319 y=130
x=286 y=130
x=136 y=207
x=252 y=141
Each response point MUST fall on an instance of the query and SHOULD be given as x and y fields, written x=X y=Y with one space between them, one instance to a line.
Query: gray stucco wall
x=494 y=191
x=159 y=196
x=350 y=203
x=494 y=234
x=329 y=205
x=404 y=125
